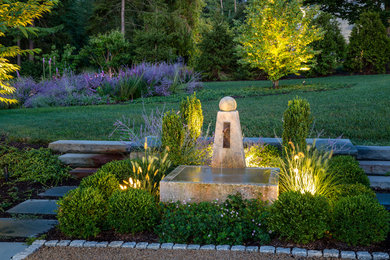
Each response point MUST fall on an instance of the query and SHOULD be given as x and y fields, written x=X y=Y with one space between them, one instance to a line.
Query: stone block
x=64 y=243
x=283 y=250
x=51 y=243
x=223 y=248
x=154 y=246
x=166 y=245
x=39 y=242
x=9 y=249
x=299 y=252
x=10 y=227
x=348 y=254
x=376 y=153
x=238 y=248
x=87 y=146
x=89 y=160
x=129 y=245
x=267 y=249
x=141 y=245
x=375 y=167
x=380 y=255
x=207 y=247
x=193 y=247
x=179 y=246
x=77 y=243
x=334 y=253
x=380 y=182
x=116 y=244
x=314 y=253
x=102 y=244
x=90 y=244
x=363 y=255
x=252 y=249
x=202 y=183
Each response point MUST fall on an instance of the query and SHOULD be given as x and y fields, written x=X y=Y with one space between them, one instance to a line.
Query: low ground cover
x=358 y=112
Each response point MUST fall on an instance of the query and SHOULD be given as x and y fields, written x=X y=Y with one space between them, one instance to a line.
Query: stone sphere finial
x=227 y=104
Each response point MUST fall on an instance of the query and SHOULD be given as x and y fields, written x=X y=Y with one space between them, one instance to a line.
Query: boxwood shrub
x=82 y=213
x=260 y=155
x=300 y=217
x=360 y=220
x=132 y=211
x=121 y=169
x=350 y=190
x=346 y=170
x=235 y=221
x=103 y=181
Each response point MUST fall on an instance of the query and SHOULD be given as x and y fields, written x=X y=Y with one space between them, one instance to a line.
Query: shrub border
x=296 y=251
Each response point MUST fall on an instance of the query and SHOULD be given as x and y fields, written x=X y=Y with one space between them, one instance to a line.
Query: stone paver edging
x=297 y=252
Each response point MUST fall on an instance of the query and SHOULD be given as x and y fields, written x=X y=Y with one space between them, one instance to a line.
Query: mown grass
x=355 y=107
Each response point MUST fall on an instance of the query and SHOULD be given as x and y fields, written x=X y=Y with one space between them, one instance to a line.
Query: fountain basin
x=202 y=183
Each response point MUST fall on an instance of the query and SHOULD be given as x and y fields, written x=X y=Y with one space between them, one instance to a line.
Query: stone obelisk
x=228 y=150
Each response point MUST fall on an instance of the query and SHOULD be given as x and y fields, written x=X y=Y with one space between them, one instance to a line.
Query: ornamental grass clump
x=306 y=172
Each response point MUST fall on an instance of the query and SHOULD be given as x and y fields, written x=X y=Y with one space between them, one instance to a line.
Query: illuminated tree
x=276 y=37
x=14 y=14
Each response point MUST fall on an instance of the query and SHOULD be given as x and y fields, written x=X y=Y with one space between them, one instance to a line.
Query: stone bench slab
x=59 y=191
x=380 y=182
x=376 y=153
x=88 y=160
x=24 y=227
x=42 y=207
x=375 y=167
x=9 y=249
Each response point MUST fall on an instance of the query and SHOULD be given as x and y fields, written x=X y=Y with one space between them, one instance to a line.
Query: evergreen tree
x=216 y=49
x=369 y=47
x=276 y=37
x=331 y=49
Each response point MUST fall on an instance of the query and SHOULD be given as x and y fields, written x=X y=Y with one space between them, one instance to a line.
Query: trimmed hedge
x=346 y=170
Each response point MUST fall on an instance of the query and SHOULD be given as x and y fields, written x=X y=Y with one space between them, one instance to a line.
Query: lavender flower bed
x=145 y=79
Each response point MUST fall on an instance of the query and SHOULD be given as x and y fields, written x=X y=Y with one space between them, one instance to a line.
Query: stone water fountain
x=227 y=174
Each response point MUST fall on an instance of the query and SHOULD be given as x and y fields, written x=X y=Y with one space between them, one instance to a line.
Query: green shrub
x=331 y=49
x=120 y=169
x=236 y=221
x=192 y=116
x=369 y=45
x=34 y=165
x=105 y=182
x=360 y=220
x=350 y=190
x=346 y=170
x=296 y=123
x=82 y=213
x=300 y=217
x=260 y=155
x=132 y=211
x=173 y=136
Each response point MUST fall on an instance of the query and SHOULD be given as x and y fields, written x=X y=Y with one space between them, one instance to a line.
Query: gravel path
x=72 y=253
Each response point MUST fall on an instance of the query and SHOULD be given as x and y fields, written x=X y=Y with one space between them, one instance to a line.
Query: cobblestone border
x=296 y=251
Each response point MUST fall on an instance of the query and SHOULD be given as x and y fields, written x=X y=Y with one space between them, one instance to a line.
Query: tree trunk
x=18 y=58
x=222 y=6
x=235 y=6
x=275 y=84
x=387 y=8
x=123 y=17
x=31 y=46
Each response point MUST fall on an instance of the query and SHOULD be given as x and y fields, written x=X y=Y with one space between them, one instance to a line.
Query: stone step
x=376 y=153
x=80 y=173
x=9 y=249
x=339 y=146
x=380 y=182
x=10 y=227
x=57 y=192
x=88 y=160
x=375 y=167
x=384 y=199
x=36 y=207
x=105 y=147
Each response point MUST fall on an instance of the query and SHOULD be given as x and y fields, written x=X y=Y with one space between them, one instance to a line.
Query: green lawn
x=355 y=107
